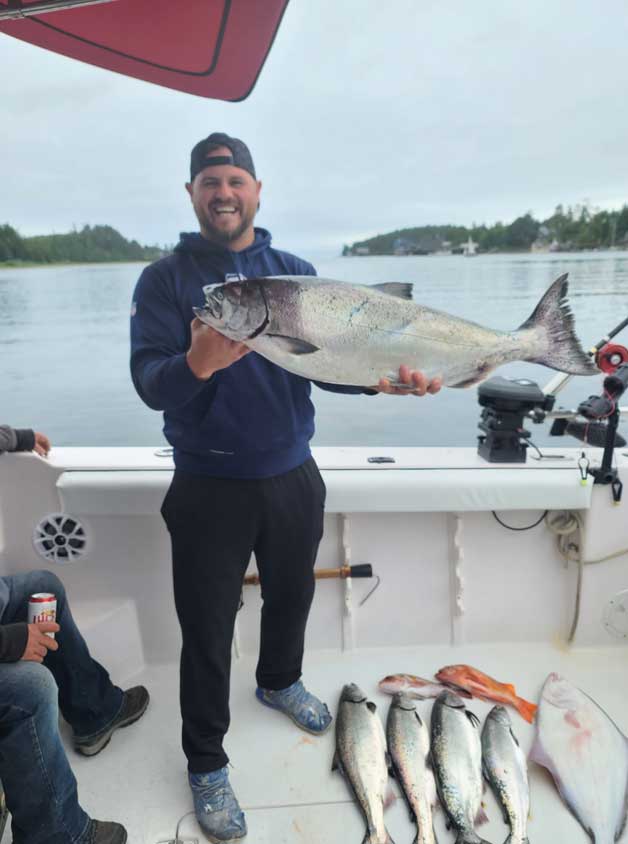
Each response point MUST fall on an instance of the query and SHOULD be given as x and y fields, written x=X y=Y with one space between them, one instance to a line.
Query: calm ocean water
x=64 y=346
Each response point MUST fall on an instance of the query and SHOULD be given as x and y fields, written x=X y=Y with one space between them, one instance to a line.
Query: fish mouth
x=207 y=314
x=213 y=305
x=403 y=701
x=450 y=699
x=353 y=693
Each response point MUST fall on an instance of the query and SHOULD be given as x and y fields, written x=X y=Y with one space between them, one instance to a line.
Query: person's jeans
x=39 y=784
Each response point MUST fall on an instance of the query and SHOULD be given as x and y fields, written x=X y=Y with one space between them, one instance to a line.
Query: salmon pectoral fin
x=481 y=817
x=293 y=345
x=390 y=798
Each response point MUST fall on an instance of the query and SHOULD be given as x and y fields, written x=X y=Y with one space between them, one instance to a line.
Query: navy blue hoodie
x=251 y=420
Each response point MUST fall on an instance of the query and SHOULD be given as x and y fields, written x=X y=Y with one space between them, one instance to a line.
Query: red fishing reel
x=610 y=357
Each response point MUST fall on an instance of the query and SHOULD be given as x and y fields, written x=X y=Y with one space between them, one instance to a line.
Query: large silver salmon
x=457 y=761
x=409 y=748
x=506 y=770
x=587 y=756
x=361 y=758
x=344 y=333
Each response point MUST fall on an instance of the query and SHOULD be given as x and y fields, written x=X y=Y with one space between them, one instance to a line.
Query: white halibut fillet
x=587 y=756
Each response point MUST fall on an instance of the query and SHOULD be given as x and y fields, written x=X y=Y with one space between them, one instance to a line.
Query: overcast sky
x=367 y=117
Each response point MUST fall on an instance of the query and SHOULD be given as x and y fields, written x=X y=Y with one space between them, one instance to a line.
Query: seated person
x=38 y=677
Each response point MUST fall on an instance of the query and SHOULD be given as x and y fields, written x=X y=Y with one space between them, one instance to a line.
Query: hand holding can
x=38 y=644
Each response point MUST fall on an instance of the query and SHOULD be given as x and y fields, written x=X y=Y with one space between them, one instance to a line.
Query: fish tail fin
x=425 y=837
x=372 y=837
x=552 y=323
x=526 y=709
x=470 y=837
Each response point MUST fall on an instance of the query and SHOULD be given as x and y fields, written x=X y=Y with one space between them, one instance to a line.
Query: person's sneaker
x=106 y=832
x=306 y=710
x=216 y=807
x=134 y=705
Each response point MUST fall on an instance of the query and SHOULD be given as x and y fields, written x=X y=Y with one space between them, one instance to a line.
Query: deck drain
x=60 y=538
x=615 y=618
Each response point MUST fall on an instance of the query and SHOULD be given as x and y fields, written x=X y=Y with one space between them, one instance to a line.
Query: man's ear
x=188 y=187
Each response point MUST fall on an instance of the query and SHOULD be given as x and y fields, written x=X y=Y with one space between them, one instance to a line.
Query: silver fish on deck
x=355 y=334
x=409 y=749
x=505 y=769
x=586 y=754
x=362 y=759
x=415 y=687
x=457 y=763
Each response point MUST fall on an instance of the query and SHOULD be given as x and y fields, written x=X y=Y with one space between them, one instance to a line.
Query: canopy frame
x=17 y=9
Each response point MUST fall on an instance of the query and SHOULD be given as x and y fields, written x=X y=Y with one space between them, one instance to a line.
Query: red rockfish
x=482 y=686
x=415 y=687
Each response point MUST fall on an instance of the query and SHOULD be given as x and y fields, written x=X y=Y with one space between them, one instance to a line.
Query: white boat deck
x=456 y=586
x=283 y=776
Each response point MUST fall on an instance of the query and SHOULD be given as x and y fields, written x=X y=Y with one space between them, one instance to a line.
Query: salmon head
x=238 y=310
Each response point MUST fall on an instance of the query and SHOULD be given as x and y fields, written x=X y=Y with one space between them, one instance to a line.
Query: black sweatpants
x=215 y=524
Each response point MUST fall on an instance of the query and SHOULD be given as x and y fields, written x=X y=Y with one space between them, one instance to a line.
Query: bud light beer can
x=42 y=606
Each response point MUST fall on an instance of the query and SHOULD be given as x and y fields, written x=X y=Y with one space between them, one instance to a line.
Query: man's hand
x=210 y=351
x=38 y=643
x=414 y=384
x=42 y=444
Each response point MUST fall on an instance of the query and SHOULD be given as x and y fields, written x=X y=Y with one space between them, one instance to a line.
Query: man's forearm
x=13 y=639
x=16 y=439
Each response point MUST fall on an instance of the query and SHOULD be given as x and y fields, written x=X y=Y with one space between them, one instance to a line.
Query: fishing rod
x=606 y=355
x=506 y=403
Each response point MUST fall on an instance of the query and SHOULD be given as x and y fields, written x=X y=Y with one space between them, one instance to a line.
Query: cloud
x=366 y=117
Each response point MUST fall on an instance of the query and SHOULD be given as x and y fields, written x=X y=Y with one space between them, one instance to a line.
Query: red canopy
x=212 y=48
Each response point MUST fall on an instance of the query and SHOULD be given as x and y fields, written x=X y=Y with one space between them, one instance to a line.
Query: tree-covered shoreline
x=91 y=244
x=566 y=230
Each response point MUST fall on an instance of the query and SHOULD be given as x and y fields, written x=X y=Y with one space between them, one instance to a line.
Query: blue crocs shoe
x=307 y=711
x=216 y=806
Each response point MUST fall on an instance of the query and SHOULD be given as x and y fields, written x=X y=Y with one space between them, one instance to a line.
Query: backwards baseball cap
x=202 y=154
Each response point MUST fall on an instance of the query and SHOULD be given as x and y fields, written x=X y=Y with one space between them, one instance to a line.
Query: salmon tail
x=427 y=836
x=470 y=838
x=552 y=323
x=374 y=838
x=526 y=709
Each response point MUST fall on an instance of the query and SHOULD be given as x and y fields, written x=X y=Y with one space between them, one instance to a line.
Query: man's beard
x=226 y=237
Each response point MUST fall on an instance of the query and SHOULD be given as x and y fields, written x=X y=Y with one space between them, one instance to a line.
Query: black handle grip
x=363 y=570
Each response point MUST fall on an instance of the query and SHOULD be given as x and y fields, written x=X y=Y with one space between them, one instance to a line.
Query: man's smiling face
x=225 y=200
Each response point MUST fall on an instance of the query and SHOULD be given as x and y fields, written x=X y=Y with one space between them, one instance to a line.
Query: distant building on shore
x=470 y=248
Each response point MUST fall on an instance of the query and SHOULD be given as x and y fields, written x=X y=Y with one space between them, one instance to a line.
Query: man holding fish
x=244 y=479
